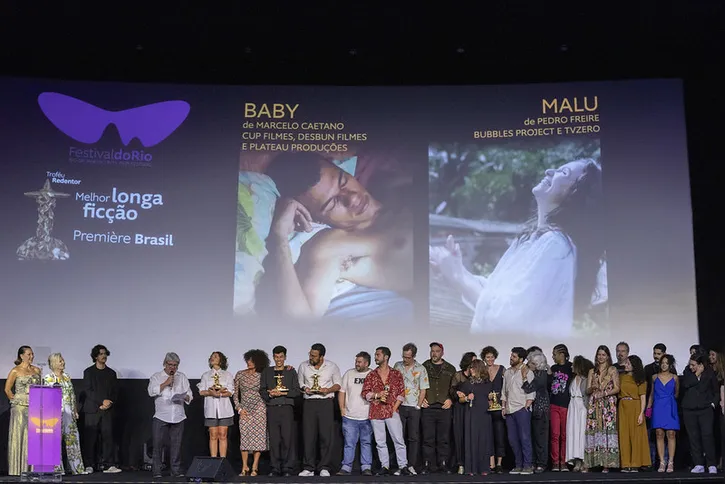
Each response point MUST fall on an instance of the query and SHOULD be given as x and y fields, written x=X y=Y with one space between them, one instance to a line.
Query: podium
x=45 y=430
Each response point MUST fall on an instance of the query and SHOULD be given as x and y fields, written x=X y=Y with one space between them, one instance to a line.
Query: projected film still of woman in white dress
x=552 y=272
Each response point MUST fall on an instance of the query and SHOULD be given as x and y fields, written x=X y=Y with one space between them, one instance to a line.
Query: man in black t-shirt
x=100 y=389
x=559 y=381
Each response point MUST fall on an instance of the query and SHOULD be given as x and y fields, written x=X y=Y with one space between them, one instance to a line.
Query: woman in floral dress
x=252 y=410
x=601 y=437
x=58 y=376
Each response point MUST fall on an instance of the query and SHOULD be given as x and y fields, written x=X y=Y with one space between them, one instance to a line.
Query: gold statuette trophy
x=315 y=384
x=280 y=386
x=493 y=403
x=383 y=397
x=217 y=386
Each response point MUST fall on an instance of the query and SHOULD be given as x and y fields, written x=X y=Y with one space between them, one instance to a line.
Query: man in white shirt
x=517 y=410
x=355 y=411
x=319 y=380
x=170 y=390
x=415 y=377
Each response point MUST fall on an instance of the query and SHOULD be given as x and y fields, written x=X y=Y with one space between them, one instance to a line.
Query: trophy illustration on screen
x=280 y=385
x=43 y=246
x=315 y=384
x=493 y=403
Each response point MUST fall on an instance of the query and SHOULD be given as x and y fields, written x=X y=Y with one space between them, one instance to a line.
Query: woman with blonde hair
x=58 y=376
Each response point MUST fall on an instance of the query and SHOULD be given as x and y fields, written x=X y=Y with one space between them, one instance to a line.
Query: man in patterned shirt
x=384 y=389
x=415 y=377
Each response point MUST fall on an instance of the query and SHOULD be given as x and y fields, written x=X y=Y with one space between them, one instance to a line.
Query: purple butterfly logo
x=85 y=123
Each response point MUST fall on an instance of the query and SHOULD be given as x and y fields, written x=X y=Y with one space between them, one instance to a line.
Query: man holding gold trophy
x=319 y=379
x=279 y=388
x=384 y=388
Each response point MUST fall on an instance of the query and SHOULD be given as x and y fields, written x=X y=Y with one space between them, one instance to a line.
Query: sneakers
x=698 y=469
x=306 y=473
x=111 y=470
x=324 y=473
x=712 y=470
x=515 y=471
x=88 y=470
x=526 y=471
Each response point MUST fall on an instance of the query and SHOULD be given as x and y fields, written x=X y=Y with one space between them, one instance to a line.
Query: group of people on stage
x=573 y=415
x=99 y=395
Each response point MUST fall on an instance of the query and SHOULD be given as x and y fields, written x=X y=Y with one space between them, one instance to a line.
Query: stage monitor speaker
x=214 y=469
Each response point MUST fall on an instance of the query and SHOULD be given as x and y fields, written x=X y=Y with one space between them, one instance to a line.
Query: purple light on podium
x=45 y=424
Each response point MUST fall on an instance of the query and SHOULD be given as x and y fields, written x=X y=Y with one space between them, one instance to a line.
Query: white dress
x=576 y=420
x=533 y=282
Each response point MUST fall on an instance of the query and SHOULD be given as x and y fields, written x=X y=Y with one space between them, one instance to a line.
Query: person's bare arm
x=614 y=375
x=280 y=290
x=341 y=402
x=9 y=384
x=320 y=265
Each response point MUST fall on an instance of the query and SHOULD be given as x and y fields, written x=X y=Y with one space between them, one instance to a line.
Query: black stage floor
x=549 y=477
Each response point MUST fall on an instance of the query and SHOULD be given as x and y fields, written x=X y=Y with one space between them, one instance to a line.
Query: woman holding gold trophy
x=216 y=388
x=489 y=354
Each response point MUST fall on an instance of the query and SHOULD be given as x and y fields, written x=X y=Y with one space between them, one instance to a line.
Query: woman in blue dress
x=663 y=405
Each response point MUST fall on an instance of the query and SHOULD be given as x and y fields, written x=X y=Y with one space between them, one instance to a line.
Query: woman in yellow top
x=633 y=438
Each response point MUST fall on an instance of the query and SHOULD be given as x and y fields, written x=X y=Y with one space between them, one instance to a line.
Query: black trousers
x=164 y=432
x=280 y=419
x=318 y=416
x=436 y=435
x=95 y=423
x=459 y=432
x=499 y=434
x=540 y=440
x=410 y=417
x=701 y=435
